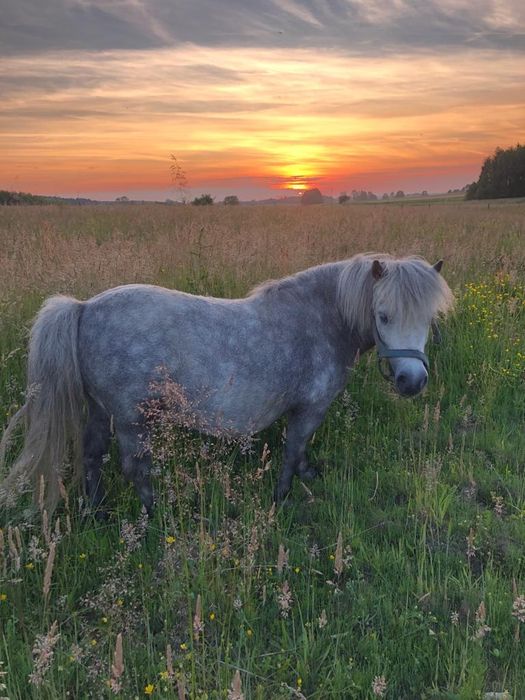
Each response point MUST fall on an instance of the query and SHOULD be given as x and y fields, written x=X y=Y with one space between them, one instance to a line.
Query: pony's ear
x=378 y=270
x=437 y=266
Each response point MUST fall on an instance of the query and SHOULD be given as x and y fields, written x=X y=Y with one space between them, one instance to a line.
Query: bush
x=203 y=200
x=313 y=196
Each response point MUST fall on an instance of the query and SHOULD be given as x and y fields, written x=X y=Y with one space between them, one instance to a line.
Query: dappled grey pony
x=286 y=348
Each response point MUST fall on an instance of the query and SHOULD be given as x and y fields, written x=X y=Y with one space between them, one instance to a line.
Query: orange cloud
x=86 y=122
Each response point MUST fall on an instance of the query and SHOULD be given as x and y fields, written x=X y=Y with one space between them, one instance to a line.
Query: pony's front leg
x=302 y=424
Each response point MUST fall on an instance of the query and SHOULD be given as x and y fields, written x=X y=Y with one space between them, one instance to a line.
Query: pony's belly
x=241 y=416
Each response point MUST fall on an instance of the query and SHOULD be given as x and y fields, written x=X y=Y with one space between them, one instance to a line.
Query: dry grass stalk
x=46 y=530
x=181 y=689
x=43 y=651
x=65 y=497
x=14 y=553
x=285 y=600
x=3 y=558
x=169 y=661
x=515 y=592
x=49 y=570
x=117 y=667
x=338 y=563
x=282 y=559
x=425 y=419
x=63 y=493
x=3 y=686
x=18 y=538
x=437 y=413
x=235 y=692
x=198 y=624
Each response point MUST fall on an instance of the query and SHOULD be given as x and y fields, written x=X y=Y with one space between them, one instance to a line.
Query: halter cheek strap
x=386 y=353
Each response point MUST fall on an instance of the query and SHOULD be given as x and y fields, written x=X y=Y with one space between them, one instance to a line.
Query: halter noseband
x=386 y=353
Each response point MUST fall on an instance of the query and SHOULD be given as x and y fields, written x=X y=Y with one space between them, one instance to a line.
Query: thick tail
x=53 y=412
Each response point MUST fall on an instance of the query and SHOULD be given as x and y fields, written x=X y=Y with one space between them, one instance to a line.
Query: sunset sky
x=256 y=96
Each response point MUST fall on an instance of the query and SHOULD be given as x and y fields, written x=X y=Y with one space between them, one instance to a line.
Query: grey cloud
x=354 y=26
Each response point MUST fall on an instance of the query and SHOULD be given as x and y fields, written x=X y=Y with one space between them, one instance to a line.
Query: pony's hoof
x=311 y=472
x=280 y=495
x=101 y=516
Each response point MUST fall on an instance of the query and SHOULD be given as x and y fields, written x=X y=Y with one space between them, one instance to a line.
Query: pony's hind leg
x=136 y=465
x=97 y=436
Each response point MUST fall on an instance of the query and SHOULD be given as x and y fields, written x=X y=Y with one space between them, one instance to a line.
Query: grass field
x=399 y=574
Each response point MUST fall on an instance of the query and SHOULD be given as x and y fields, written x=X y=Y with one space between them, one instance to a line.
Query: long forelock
x=409 y=288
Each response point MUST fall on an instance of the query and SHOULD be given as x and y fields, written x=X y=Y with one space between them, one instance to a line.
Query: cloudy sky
x=256 y=96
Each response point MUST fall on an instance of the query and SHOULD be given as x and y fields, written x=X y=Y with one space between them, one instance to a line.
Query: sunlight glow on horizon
x=259 y=120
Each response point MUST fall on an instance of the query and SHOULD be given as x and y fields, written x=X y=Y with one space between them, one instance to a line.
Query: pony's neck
x=355 y=330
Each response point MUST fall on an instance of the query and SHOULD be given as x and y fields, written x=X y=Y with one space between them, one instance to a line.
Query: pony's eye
x=383 y=318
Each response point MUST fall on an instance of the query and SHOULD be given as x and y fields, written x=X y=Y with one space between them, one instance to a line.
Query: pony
x=285 y=349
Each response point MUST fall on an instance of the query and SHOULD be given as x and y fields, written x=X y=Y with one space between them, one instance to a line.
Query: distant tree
x=371 y=197
x=231 y=200
x=424 y=193
x=343 y=198
x=312 y=196
x=122 y=199
x=203 y=200
x=6 y=198
x=502 y=175
x=385 y=196
x=400 y=194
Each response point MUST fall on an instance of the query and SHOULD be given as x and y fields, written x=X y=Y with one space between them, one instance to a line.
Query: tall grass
x=399 y=574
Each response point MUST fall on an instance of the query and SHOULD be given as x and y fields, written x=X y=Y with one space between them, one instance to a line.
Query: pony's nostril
x=402 y=380
x=408 y=385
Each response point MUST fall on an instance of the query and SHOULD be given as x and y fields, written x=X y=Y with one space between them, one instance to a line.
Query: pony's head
x=395 y=302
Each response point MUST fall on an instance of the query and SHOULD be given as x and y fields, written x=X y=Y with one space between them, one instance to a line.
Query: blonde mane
x=409 y=288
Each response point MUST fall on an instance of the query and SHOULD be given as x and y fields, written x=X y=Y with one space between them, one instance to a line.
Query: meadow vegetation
x=400 y=573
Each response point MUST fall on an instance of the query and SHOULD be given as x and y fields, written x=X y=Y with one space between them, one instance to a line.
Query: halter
x=386 y=353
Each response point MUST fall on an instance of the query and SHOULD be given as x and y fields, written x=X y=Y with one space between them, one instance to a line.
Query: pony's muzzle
x=411 y=383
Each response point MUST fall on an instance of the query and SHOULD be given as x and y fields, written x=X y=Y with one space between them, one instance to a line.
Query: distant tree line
x=364 y=196
x=357 y=196
x=502 y=175
x=8 y=198
x=12 y=198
